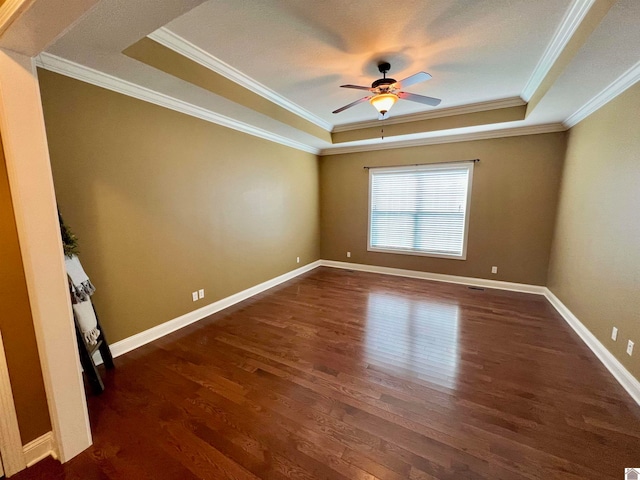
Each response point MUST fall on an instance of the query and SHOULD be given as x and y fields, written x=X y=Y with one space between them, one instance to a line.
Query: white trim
x=454 y=138
x=437 y=277
x=439 y=113
x=620 y=373
x=10 y=443
x=567 y=28
x=38 y=449
x=142 y=338
x=131 y=343
x=104 y=80
x=29 y=171
x=171 y=40
x=622 y=83
x=426 y=167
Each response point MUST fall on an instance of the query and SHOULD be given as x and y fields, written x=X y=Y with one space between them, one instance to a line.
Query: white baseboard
x=438 y=277
x=39 y=448
x=142 y=338
x=123 y=346
x=620 y=373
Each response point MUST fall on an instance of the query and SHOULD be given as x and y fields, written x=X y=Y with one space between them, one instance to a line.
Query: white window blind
x=420 y=209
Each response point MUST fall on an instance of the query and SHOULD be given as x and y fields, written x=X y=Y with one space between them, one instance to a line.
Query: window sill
x=418 y=253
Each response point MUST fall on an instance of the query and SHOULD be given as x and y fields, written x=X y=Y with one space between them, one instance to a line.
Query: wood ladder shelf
x=86 y=357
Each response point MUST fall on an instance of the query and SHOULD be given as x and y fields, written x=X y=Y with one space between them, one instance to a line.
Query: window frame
x=430 y=167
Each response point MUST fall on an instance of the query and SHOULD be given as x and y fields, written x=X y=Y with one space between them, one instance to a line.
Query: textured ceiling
x=303 y=50
x=476 y=50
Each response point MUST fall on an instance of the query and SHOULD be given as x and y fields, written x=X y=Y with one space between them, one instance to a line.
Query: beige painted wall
x=487 y=117
x=513 y=206
x=158 y=56
x=164 y=204
x=17 y=325
x=595 y=262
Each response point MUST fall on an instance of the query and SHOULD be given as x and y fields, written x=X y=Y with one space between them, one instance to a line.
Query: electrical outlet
x=348 y=254
x=297 y=259
x=201 y=293
x=494 y=269
x=194 y=296
x=630 y=348
x=614 y=334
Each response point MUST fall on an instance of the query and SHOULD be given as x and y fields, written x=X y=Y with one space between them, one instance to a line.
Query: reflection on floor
x=343 y=375
x=413 y=335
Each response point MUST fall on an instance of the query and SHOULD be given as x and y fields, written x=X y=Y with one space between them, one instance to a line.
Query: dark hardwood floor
x=346 y=375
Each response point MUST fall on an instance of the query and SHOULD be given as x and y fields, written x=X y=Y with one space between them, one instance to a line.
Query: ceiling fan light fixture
x=383 y=102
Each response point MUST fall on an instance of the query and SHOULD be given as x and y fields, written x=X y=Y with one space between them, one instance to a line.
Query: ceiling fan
x=386 y=91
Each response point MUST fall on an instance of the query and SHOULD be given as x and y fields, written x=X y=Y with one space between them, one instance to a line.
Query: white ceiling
x=302 y=50
x=476 y=51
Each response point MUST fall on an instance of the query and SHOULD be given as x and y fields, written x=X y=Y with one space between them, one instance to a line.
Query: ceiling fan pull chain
x=382 y=133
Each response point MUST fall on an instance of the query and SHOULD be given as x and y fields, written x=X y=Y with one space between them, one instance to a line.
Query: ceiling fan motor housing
x=383 y=68
x=383 y=82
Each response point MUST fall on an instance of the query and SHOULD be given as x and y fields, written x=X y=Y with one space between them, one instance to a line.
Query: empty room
x=320 y=240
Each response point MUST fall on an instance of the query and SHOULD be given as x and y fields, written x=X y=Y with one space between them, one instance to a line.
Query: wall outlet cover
x=348 y=254
x=630 y=348
x=614 y=334
x=201 y=293
x=494 y=269
x=194 y=296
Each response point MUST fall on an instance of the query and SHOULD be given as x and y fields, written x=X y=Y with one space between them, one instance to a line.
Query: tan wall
x=595 y=266
x=487 y=117
x=513 y=206
x=16 y=325
x=158 y=56
x=164 y=204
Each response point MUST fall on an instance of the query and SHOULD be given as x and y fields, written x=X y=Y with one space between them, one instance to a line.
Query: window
x=420 y=210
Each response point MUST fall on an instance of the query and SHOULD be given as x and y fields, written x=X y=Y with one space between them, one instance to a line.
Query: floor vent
x=476 y=288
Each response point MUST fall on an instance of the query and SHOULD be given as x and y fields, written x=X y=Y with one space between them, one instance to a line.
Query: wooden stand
x=86 y=357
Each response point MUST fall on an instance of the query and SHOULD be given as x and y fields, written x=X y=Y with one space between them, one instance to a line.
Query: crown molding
x=439 y=113
x=570 y=23
x=89 y=75
x=167 y=38
x=626 y=80
x=463 y=137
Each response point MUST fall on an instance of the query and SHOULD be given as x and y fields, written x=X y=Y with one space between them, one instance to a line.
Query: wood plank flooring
x=349 y=375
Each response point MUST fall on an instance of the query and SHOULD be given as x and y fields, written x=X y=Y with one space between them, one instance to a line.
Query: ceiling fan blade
x=352 y=104
x=412 y=80
x=419 y=98
x=358 y=87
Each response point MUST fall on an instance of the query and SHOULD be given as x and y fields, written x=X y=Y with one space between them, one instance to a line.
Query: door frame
x=11 y=453
x=31 y=184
